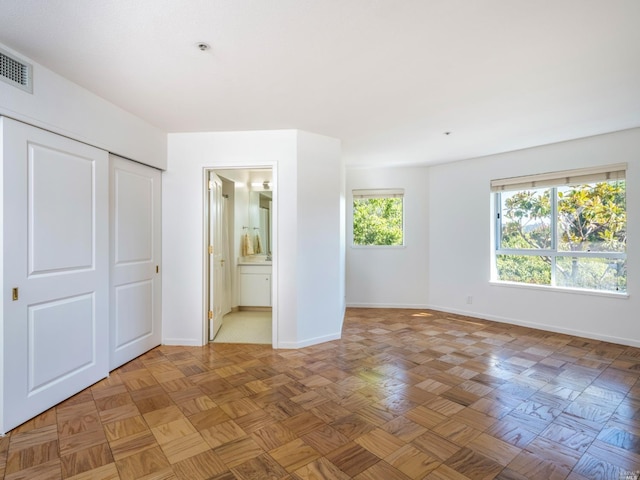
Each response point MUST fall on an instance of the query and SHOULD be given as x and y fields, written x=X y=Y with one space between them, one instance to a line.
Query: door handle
x=15 y=294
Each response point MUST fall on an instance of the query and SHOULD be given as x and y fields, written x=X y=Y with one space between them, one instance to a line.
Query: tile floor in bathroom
x=245 y=327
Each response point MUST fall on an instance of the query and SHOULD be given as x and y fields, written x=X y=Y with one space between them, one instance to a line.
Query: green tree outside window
x=378 y=221
x=590 y=236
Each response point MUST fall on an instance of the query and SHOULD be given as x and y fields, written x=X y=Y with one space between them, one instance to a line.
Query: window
x=378 y=217
x=565 y=229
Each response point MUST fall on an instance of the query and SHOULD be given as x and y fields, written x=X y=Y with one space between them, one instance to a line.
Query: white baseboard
x=182 y=342
x=336 y=336
x=387 y=305
x=310 y=341
x=511 y=321
x=539 y=326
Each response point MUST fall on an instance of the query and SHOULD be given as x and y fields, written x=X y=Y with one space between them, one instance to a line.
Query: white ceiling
x=387 y=77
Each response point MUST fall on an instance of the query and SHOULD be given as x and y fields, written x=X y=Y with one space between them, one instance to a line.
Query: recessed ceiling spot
x=204 y=46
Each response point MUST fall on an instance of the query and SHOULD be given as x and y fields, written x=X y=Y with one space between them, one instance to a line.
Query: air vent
x=15 y=72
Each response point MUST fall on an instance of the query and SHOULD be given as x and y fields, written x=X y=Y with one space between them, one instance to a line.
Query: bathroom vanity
x=254 y=283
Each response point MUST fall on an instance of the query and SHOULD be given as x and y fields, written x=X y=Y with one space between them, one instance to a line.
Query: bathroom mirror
x=260 y=218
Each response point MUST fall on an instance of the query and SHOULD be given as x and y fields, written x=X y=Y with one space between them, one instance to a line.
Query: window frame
x=361 y=194
x=551 y=181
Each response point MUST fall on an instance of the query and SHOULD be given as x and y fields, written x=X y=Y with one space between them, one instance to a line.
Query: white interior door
x=56 y=270
x=135 y=286
x=216 y=256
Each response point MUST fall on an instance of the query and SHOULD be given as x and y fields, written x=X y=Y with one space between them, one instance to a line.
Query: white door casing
x=216 y=255
x=135 y=244
x=55 y=253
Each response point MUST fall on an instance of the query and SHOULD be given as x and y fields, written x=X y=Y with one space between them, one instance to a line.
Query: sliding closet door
x=55 y=254
x=135 y=260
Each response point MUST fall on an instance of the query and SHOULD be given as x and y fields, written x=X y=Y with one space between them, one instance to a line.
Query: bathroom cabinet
x=254 y=285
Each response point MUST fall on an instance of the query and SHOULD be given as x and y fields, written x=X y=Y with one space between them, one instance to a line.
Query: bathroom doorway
x=240 y=245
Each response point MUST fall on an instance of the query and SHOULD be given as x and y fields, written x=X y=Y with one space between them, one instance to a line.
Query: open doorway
x=240 y=237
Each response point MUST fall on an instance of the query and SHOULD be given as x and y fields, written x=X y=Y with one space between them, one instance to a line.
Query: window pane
x=592 y=218
x=593 y=273
x=525 y=219
x=524 y=269
x=377 y=221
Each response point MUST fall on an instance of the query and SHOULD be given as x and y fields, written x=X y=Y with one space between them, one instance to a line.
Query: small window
x=378 y=217
x=565 y=229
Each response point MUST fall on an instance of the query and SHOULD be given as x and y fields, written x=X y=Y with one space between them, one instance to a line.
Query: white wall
x=63 y=107
x=460 y=224
x=183 y=252
x=320 y=267
x=397 y=276
x=183 y=215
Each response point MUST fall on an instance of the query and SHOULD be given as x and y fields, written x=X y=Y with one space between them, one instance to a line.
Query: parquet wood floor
x=405 y=394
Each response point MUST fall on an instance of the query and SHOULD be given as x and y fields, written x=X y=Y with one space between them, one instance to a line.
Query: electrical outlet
x=469 y=300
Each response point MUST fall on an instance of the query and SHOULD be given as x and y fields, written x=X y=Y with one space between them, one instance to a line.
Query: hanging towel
x=247 y=245
x=258 y=248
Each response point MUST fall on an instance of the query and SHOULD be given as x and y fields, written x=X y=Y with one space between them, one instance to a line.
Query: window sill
x=390 y=247
x=547 y=288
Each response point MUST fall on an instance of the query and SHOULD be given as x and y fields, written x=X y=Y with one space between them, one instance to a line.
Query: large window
x=564 y=229
x=378 y=217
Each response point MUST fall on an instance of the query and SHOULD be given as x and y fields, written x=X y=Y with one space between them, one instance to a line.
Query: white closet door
x=135 y=260
x=56 y=298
